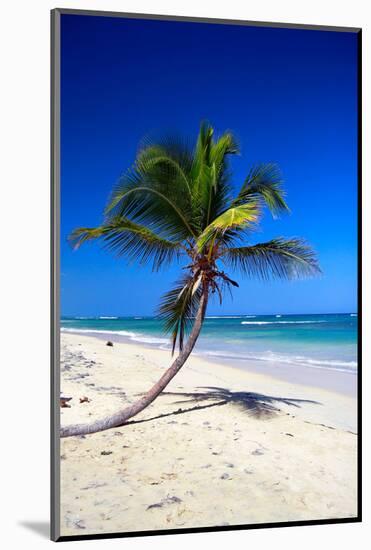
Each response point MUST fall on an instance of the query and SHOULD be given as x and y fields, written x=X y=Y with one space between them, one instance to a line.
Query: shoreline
x=333 y=380
x=221 y=445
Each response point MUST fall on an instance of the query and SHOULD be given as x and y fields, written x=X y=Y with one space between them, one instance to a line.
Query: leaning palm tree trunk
x=119 y=418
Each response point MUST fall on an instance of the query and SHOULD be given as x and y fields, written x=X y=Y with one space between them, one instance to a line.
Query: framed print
x=206 y=308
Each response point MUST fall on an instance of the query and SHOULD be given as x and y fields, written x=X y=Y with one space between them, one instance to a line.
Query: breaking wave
x=280 y=322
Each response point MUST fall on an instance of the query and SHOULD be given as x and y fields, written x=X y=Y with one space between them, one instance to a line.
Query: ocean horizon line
x=216 y=316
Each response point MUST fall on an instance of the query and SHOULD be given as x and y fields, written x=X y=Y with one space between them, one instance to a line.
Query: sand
x=222 y=446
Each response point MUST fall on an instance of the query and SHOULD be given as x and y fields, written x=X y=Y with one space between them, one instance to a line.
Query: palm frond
x=237 y=217
x=219 y=190
x=156 y=192
x=178 y=308
x=264 y=183
x=226 y=144
x=201 y=156
x=279 y=258
x=81 y=235
x=210 y=174
x=129 y=239
x=174 y=146
x=202 y=174
x=165 y=164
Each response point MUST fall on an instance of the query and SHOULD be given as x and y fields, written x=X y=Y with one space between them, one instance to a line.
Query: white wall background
x=24 y=272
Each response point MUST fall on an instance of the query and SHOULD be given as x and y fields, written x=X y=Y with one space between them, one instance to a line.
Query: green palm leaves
x=237 y=217
x=124 y=237
x=178 y=308
x=279 y=258
x=263 y=185
x=178 y=201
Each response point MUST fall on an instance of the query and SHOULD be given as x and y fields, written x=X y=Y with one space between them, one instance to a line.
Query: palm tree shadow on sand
x=255 y=404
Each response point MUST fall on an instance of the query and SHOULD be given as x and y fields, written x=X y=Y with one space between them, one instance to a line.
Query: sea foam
x=280 y=322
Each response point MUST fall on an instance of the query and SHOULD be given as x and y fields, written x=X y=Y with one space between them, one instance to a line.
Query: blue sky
x=290 y=96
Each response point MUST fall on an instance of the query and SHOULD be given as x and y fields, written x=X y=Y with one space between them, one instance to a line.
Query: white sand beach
x=222 y=446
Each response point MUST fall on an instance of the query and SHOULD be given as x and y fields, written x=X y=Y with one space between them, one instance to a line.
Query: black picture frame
x=55 y=274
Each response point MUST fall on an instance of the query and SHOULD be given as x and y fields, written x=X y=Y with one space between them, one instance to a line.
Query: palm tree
x=177 y=203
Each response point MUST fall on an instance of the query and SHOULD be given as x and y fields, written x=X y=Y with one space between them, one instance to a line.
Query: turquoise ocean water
x=315 y=341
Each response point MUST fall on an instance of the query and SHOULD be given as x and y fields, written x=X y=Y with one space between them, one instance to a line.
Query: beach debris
x=229 y=465
x=109 y=343
x=164 y=502
x=106 y=453
x=257 y=452
x=93 y=485
x=78 y=376
x=289 y=434
x=64 y=402
x=170 y=475
x=225 y=476
x=84 y=399
x=74 y=521
x=114 y=390
x=79 y=524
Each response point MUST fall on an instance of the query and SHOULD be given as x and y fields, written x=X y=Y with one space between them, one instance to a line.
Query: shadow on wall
x=41 y=528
